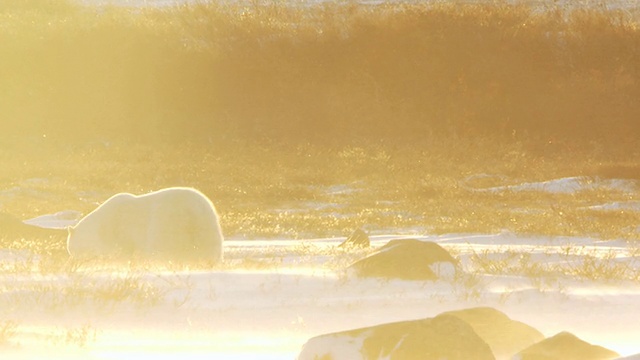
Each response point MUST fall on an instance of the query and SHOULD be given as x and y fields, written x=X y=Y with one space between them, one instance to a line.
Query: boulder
x=443 y=337
x=407 y=259
x=565 y=346
x=504 y=336
x=357 y=239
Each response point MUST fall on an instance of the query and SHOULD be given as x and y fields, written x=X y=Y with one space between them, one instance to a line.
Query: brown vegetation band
x=324 y=71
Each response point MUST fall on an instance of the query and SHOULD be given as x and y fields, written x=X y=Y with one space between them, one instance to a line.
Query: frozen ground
x=271 y=296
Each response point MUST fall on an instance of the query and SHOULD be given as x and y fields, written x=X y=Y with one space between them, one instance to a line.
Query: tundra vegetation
x=314 y=120
x=310 y=121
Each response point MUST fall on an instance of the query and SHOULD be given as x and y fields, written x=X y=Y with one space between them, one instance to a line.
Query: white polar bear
x=174 y=223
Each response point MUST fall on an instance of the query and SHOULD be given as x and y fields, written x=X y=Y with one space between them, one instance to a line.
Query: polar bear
x=173 y=223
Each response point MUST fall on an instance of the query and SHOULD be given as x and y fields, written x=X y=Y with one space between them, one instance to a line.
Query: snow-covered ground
x=271 y=296
x=567 y=185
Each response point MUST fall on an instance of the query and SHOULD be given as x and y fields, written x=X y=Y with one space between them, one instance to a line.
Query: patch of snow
x=59 y=220
x=443 y=270
x=569 y=185
x=616 y=206
x=36 y=181
x=270 y=312
x=340 y=189
x=8 y=256
x=10 y=192
x=342 y=346
x=311 y=205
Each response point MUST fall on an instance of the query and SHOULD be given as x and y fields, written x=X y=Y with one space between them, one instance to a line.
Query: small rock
x=357 y=239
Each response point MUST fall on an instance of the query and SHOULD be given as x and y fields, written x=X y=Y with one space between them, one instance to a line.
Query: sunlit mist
x=362 y=178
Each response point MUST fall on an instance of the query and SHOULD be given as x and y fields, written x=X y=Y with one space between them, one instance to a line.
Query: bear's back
x=169 y=221
x=182 y=221
x=176 y=198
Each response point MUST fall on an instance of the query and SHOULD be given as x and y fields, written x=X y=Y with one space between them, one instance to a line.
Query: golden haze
x=324 y=72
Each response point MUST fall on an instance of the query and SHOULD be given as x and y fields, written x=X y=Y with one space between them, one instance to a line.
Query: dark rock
x=407 y=259
x=505 y=336
x=442 y=337
x=565 y=346
x=357 y=239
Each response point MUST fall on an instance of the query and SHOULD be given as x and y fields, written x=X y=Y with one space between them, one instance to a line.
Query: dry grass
x=309 y=191
x=558 y=79
x=7 y=331
x=574 y=262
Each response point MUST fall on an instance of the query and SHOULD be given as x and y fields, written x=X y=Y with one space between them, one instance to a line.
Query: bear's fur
x=174 y=223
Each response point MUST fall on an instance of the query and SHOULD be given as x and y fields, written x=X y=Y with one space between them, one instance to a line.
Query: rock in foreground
x=505 y=336
x=443 y=337
x=565 y=346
